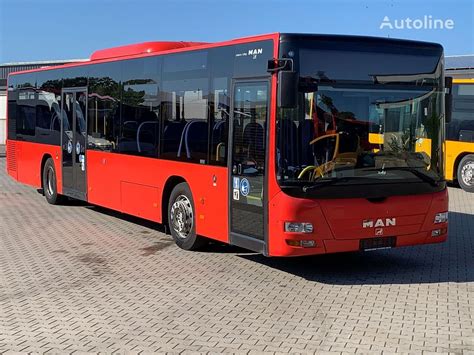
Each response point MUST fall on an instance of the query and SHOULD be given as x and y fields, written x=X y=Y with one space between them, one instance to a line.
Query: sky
x=32 y=30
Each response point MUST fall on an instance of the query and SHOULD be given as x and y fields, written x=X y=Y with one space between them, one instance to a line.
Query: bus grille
x=11 y=156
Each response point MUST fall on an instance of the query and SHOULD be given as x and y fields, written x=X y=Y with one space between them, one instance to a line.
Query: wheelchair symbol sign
x=244 y=187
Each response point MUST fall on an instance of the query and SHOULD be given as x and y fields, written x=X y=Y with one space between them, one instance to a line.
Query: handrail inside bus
x=138 y=132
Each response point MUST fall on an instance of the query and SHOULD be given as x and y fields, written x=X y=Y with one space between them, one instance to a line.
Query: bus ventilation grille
x=11 y=156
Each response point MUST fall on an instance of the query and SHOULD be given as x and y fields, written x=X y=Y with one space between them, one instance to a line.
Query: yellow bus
x=460 y=136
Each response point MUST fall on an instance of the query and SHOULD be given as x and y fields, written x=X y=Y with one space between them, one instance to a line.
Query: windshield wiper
x=319 y=183
x=426 y=178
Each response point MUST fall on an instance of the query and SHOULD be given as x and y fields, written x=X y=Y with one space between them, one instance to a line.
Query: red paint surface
x=141 y=48
x=135 y=185
x=338 y=223
x=28 y=162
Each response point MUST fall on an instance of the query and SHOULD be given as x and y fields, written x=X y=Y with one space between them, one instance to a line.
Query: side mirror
x=287 y=89
x=448 y=98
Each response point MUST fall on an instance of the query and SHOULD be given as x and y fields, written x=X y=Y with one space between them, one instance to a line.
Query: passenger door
x=247 y=164
x=73 y=142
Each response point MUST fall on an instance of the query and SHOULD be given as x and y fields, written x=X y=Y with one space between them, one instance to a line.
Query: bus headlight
x=441 y=217
x=298 y=227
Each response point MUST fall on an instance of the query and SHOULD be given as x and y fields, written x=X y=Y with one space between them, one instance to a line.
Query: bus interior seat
x=288 y=153
x=219 y=132
x=171 y=135
x=182 y=138
x=196 y=140
x=146 y=136
x=348 y=143
x=253 y=140
x=55 y=117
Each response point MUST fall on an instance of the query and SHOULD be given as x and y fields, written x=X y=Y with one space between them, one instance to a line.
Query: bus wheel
x=466 y=173
x=181 y=218
x=49 y=183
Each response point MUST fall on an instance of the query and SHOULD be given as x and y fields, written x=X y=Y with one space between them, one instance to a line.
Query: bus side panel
x=134 y=185
x=210 y=198
x=453 y=150
x=29 y=157
x=103 y=178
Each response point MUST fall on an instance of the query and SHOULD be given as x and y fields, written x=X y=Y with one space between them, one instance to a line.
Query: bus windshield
x=371 y=125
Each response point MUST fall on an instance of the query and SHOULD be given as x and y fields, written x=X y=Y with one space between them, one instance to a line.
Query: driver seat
x=347 y=149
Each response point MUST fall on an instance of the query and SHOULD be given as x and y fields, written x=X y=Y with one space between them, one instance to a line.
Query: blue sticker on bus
x=236 y=182
x=244 y=187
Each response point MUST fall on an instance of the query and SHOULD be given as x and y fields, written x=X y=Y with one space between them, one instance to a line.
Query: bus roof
x=146 y=49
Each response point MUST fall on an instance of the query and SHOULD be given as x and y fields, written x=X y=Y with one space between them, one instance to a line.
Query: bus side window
x=220 y=121
x=48 y=107
x=185 y=100
x=26 y=107
x=219 y=102
x=104 y=107
x=140 y=107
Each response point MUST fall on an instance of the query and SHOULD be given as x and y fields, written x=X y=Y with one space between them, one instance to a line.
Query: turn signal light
x=301 y=243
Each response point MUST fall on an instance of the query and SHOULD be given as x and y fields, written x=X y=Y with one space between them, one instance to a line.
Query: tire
x=49 y=184
x=465 y=173
x=182 y=219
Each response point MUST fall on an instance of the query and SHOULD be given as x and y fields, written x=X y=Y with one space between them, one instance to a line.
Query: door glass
x=73 y=116
x=67 y=139
x=80 y=141
x=248 y=157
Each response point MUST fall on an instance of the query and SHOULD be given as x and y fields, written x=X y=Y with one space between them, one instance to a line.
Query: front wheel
x=465 y=173
x=181 y=218
x=50 y=184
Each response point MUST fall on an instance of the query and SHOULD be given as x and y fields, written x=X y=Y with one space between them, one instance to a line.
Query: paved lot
x=82 y=278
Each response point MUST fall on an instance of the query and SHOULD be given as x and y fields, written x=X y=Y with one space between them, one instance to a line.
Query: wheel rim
x=50 y=181
x=467 y=173
x=182 y=216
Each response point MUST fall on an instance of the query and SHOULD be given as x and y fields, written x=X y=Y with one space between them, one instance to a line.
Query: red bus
x=284 y=144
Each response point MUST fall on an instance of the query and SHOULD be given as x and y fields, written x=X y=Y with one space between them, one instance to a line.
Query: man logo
x=370 y=223
x=379 y=232
x=255 y=51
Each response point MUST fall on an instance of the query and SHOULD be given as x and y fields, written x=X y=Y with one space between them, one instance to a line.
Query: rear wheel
x=465 y=173
x=181 y=218
x=50 y=184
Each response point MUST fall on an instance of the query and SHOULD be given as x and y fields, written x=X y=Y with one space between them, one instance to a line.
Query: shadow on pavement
x=212 y=247
x=452 y=261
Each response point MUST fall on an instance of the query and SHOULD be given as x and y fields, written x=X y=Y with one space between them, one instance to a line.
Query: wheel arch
x=171 y=182
x=43 y=162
